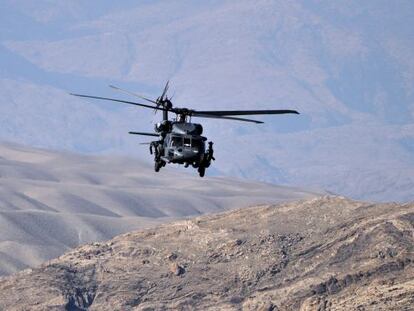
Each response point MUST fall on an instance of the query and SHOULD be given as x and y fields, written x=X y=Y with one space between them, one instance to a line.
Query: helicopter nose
x=178 y=153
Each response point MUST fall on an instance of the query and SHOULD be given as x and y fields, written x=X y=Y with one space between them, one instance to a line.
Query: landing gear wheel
x=158 y=165
x=201 y=171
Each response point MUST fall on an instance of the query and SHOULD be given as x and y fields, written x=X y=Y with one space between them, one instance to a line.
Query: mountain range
x=51 y=202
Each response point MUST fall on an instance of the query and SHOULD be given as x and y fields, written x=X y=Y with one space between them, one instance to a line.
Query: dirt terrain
x=326 y=253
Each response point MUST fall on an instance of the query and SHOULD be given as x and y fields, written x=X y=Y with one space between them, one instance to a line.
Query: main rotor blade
x=245 y=112
x=119 y=101
x=164 y=92
x=210 y=116
x=144 y=134
x=133 y=94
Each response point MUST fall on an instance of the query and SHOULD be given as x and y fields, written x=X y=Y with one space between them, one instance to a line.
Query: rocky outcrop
x=327 y=253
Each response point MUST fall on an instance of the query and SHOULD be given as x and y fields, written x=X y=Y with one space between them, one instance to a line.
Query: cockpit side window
x=166 y=142
x=176 y=141
x=197 y=143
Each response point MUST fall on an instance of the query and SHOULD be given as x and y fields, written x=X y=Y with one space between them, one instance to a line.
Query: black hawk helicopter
x=179 y=140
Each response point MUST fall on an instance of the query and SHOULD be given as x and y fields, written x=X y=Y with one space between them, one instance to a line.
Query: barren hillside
x=316 y=254
x=51 y=202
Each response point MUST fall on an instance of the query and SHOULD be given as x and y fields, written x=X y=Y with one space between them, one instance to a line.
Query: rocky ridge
x=326 y=253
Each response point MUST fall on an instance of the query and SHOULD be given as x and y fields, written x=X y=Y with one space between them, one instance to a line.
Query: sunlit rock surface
x=326 y=253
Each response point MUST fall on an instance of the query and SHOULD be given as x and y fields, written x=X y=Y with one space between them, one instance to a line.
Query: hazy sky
x=347 y=66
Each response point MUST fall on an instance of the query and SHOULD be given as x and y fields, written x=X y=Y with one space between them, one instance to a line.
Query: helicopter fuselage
x=182 y=143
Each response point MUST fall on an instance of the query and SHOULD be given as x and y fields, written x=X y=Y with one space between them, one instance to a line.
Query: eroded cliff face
x=318 y=254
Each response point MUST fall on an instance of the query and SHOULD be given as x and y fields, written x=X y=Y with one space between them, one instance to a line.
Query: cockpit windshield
x=176 y=141
x=189 y=142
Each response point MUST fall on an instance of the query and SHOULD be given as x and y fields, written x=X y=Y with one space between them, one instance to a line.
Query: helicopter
x=180 y=141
